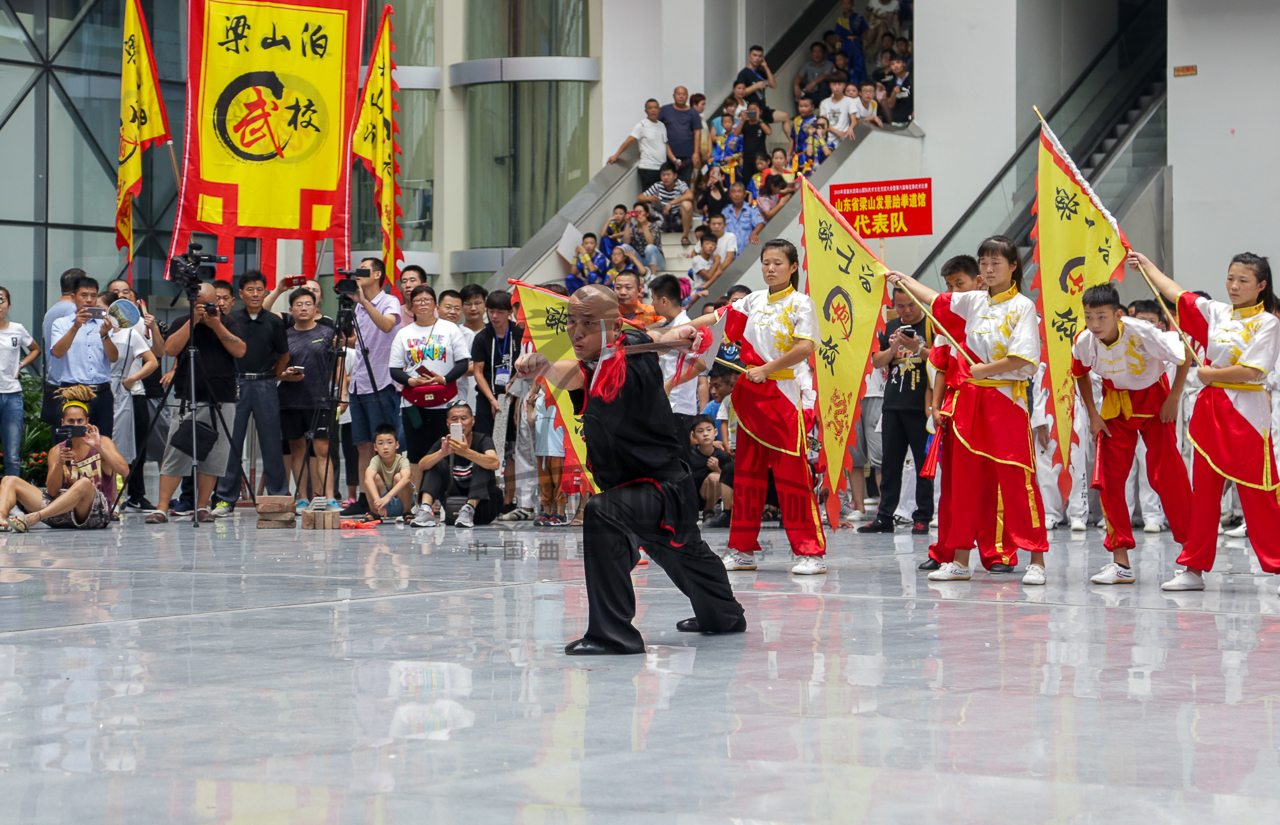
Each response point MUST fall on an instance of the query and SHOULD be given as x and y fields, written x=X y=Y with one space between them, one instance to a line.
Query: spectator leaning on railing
x=651 y=134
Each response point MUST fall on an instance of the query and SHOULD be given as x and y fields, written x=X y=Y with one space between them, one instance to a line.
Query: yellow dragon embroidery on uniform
x=1137 y=361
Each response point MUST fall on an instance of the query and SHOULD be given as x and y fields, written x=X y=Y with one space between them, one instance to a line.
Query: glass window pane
x=62 y=15
x=168 y=23
x=28 y=307
x=94 y=252
x=97 y=42
x=413 y=31
x=528 y=155
x=17 y=147
x=526 y=28
x=14 y=43
x=81 y=189
x=417 y=167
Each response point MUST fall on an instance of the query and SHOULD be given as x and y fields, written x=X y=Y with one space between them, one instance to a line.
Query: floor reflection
x=165 y=674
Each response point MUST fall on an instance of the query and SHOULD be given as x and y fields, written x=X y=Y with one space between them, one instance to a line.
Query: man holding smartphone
x=304 y=397
x=265 y=357
x=83 y=342
x=904 y=352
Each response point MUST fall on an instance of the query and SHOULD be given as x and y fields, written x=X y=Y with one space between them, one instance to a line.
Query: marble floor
x=156 y=674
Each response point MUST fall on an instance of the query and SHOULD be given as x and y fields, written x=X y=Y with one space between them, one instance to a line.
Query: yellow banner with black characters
x=544 y=316
x=143 y=120
x=1077 y=245
x=271 y=104
x=846 y=282
x=374 y=141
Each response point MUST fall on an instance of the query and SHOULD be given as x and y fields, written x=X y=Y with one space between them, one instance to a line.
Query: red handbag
x=430 y=396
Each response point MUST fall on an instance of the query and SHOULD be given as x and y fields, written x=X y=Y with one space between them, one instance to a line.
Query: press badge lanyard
x=501 y=372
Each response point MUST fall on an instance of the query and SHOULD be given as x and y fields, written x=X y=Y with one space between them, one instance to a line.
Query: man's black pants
x=440 y=484
x=621 y=520
x=900 y=430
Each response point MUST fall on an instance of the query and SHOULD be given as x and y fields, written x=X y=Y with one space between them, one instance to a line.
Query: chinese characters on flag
x=270 y=106
x=143 y=121
x=886 y=209
x=374 y=141
x=846 y=282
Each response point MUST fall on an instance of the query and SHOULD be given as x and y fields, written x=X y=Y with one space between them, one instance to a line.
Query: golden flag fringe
x=846 y=281
x=1077 y=244
x=544 y=317
x=143 y=120
x=374 y=141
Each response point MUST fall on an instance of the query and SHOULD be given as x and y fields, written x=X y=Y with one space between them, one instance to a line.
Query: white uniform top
x=774 y=323
x=1137 y=359
x=1248 y=338
x=998 y=326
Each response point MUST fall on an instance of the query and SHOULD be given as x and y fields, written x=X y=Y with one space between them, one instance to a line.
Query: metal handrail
x=1031 y=139
x=1128 y=137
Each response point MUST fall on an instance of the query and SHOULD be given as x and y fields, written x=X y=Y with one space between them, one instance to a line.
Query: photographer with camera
x=218 y=344
x=83 y=342
x=266 y=355
x=374 y=397
x=81 y=483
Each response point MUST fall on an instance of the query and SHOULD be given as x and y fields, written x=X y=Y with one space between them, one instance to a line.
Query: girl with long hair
x=999 y=329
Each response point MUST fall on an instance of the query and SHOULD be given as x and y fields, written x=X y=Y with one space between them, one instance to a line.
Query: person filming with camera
x=217 y=344
x=81 y=482
x=83 y=342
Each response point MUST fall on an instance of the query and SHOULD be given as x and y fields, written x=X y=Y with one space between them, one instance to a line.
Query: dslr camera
x=211 y=310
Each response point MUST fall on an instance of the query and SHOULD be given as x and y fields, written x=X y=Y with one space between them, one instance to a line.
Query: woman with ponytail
x=777 y=329
x=1232 y=428
x=81 y=482
x=1000 y=332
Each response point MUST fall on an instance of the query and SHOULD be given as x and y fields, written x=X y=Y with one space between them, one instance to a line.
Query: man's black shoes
x=692 y=626
x=929 y=564
x=877 y=526
x=590 y=647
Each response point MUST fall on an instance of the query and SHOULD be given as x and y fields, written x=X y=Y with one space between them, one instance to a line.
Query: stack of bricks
x=320 y=519
x=276 y=513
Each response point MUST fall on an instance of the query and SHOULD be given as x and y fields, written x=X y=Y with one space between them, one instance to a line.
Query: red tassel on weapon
x=930 y=468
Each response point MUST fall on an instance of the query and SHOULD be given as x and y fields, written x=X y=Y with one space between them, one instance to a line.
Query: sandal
x=684 y=241
x=20 y=525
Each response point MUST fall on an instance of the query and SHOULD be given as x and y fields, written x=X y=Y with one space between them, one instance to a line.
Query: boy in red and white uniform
x=1131 y=357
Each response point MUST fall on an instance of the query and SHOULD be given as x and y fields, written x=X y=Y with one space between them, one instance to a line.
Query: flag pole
x=173 y=159
x=937 y=325
x=1164 y=308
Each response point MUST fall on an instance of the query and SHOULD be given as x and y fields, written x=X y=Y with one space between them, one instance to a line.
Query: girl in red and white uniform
x=992 y=451
x=1231 y=428
x=777 y=330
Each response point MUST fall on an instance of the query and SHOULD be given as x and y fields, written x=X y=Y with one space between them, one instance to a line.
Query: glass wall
x=526 y=28
x=527 y=154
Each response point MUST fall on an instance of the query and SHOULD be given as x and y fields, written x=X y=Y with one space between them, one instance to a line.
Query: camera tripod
x=185 y=270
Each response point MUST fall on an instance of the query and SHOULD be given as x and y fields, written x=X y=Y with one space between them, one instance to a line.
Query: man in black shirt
x=757 y=76
x=218 y=344
x=898 y=91
x=267 y=342
x=646 y=491
x=904 y=350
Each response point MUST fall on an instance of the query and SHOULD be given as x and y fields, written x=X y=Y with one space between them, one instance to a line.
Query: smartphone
x=455 y=431
x=97 y=312
x=907 y=332
x=299 y=368
x=70 y=431
x=296 y=280
x=424 y=372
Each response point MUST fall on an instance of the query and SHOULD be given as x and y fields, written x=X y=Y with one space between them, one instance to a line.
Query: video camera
x=184 y=269
x=346 y=285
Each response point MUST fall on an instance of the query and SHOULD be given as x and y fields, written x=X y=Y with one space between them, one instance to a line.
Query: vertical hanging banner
x=271 y=102
x=544 y=317
x=143 y=120
x=374 y=141
x=1077 y=245
x=846 y=281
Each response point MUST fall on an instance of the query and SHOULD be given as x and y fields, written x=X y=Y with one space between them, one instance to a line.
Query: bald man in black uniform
x=646 y=498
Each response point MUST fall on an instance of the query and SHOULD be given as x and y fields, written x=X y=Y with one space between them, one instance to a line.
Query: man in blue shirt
x=742 y=219
x=684 y=132
x=587 y=267
x=84 y=344
x=51 y=410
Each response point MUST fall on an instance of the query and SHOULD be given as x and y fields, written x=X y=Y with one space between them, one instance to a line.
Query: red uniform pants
x=1165 y=471
x=794 y=483
x=994 y=505
x=1261 y=513
x=994 y=546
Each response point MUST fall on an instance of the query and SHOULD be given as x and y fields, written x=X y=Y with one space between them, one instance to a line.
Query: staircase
x=1147 y=125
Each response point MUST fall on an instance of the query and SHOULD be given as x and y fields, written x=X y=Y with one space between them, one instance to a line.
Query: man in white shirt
x=682 y=394
x=839 y=108
x=865 y=106
x=651 y=134
x=449 y=308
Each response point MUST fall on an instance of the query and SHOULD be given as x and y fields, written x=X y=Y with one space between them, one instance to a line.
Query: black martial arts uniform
x=647 y=500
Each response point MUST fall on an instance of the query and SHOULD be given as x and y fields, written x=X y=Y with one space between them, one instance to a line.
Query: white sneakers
x=740 y=561
x=1114 y=574
x=1034 y=575
x=1238 y=532
x=950 y=572
x=1184 y=580
x=810 y=566
x=1152 y=527
x=1078 y=525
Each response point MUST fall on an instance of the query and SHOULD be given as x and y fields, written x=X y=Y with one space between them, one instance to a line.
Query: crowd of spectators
x=741 y=162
